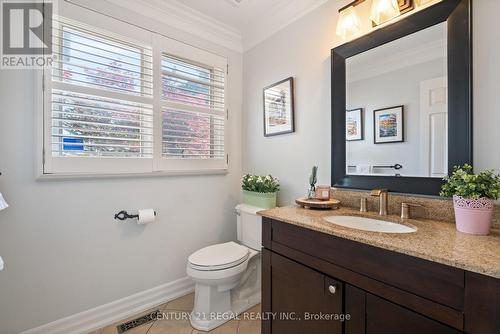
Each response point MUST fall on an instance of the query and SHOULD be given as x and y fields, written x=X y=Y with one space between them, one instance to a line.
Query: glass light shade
x=425 y=2
x=349 y=24
x=3 y=204
x=384 y=10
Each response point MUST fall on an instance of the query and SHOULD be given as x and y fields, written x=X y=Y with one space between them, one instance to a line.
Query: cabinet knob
x=332 y=289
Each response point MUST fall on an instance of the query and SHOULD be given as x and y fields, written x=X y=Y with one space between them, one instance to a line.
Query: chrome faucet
x=382 y=195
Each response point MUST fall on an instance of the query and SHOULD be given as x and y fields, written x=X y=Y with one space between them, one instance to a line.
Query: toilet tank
x=249 y=226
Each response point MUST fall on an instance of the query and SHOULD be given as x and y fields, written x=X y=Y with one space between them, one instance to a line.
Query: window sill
x=80 y=176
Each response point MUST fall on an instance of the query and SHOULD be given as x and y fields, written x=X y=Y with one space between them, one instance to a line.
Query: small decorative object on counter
x=473 y=196
x=323 y=193
x=260 y=190
x=313 y=203
x=312 y=183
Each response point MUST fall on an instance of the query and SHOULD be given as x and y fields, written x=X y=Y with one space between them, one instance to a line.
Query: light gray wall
x=302 y=49
x=400 y=87
x=63 y=250
x=486 y=76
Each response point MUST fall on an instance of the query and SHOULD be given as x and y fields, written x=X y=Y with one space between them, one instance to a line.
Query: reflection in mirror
x=397 y=112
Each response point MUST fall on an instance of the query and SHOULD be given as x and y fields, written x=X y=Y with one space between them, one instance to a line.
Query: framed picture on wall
x=388 y=125
x=354 y=124
x=279 y=108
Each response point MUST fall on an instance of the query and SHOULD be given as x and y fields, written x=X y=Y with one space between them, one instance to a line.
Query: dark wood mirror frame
x=457 y=14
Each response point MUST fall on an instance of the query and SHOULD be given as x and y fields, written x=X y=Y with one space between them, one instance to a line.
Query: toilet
x=227 y=276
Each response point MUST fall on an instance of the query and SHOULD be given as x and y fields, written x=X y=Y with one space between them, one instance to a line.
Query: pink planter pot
x=473 y=216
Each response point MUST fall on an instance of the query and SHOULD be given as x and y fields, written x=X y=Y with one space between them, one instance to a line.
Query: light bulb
x=384 y=10
x=349 y=24
x=425 y=2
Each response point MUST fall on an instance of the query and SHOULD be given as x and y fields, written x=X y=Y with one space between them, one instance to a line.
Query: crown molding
x=284 y=13
x=235 y=3
x=186 y=19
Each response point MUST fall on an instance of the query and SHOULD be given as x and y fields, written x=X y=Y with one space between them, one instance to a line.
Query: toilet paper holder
x=123 y=215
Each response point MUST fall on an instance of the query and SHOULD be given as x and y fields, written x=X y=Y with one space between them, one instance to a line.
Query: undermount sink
x=369 y=224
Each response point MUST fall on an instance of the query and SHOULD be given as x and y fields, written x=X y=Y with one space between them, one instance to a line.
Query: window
x=114 y=105
x=193 y=111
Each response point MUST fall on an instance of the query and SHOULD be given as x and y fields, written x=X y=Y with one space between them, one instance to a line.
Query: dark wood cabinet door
x=355 y=307
x=482 y=304
x=303 y=300
x=383 y=317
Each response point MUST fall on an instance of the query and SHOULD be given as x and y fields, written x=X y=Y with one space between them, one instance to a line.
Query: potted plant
x=473 y=198
x=260 y=190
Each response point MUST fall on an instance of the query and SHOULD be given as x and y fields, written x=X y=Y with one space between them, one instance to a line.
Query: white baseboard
x=110 y=313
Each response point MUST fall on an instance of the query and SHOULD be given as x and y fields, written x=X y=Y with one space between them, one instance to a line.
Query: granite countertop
x=434 y=240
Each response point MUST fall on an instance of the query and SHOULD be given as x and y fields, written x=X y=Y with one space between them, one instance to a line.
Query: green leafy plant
x=260 y=183
x=463 y=182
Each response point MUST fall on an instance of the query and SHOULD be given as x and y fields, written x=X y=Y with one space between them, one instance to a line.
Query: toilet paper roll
x=146 y=216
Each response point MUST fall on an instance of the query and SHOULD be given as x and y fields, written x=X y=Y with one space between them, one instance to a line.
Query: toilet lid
x=220 y=256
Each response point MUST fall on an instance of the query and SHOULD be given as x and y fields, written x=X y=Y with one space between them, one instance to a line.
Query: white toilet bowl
x=227 y=276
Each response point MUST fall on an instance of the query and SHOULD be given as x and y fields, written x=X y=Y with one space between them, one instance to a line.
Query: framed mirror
x=401 y=102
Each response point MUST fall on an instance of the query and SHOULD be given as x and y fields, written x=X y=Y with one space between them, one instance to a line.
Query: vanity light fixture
x=384 y=10
x=424 y=2
x=349 y=23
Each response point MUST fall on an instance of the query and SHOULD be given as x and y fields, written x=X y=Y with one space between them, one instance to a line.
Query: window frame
x=50 y=167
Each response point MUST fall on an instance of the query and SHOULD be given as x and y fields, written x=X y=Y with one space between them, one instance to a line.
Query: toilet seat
x=218 y=257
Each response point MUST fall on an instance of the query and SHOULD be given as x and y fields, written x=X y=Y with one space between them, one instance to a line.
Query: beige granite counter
x=436 y=241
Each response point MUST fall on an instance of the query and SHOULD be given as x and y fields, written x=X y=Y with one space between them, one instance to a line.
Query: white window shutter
x=193 y=106
x=101 y=102
x=114 y=105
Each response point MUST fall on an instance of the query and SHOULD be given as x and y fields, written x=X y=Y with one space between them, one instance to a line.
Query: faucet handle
x=411 y=204
x=378 y=192
x=362 y=204
x=405 y=209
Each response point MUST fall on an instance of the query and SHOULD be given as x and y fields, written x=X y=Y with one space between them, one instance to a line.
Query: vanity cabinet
x=306 y=272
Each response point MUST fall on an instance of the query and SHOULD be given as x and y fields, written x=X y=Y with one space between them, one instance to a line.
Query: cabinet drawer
x=433 y=281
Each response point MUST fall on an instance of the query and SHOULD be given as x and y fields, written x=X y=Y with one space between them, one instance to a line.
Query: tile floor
x=180 y=326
